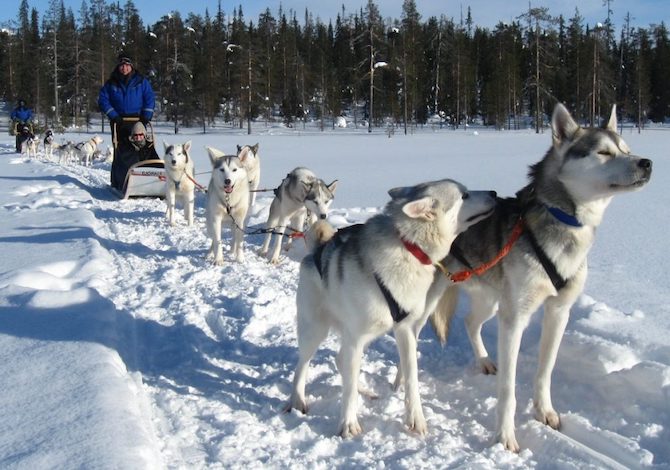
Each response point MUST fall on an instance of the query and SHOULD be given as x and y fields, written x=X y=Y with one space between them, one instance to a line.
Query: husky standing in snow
x=49 y=143
x=180 y=180
x=367 y=279
x=299 y=192
x=555 y=219
x=84 y=150
x=227 y=200
x=249 y=155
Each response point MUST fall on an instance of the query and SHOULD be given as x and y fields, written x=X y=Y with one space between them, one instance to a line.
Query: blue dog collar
x=564 y=217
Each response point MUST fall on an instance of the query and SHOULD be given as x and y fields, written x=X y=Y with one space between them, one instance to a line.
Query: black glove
x=118 y=120
x=144 y=120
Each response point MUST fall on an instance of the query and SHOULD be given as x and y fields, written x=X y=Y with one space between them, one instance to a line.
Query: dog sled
x=136 y=172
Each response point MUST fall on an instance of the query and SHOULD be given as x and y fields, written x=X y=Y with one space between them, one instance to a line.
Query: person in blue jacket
x=126 y=98
x=22 y=117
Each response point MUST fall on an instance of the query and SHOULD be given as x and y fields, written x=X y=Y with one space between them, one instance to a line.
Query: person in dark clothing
x=127 y=98
x=22 y=117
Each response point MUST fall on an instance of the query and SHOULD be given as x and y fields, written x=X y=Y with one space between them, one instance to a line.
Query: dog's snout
x=174 y=162
x=227 y=181
x=645 y=164
x=322 y=216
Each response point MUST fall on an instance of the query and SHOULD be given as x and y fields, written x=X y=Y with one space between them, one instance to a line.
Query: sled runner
x=136 y=172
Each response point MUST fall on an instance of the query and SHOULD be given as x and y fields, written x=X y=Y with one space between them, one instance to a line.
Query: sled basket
x=145 y=179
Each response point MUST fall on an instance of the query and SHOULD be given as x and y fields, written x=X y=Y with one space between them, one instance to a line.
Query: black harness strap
x=397 y=312
x=557 y=280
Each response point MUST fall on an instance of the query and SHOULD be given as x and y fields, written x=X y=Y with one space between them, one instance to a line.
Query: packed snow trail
x=213 y=350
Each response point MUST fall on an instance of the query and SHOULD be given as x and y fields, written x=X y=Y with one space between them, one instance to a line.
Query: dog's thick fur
x=227 y=200
x=340 y=285
x=32 y=145
x=49 y=144
x=66 y=152
x=180 y=180
x=252 y=163
x=301 y=191
x=561 y=209
x=84 y=150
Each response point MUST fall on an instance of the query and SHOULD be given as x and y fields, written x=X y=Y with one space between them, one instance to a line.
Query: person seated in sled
x=127 y=98
x=22 y=127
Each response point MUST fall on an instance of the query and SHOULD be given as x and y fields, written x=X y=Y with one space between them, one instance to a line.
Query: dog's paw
x=240 y=257
x=275 y=260
x=487 y=366
x=218 y=261
x=508 y=440
x=350 y=429
x=296 y=404
x=548 y=417
x=416 y=422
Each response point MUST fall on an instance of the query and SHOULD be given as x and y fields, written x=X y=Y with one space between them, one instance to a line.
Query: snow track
x=211 y=352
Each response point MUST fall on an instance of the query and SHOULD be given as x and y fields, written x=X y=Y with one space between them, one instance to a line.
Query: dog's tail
x=318 y=234
x=444 y=311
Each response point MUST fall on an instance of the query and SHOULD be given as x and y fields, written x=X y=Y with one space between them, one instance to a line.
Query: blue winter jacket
x=133 y=97
x=22 y=114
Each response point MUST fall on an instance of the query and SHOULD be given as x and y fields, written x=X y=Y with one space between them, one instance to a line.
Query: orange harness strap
x=479 y=270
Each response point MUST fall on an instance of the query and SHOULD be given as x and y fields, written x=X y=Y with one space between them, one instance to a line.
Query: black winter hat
x=124 y=58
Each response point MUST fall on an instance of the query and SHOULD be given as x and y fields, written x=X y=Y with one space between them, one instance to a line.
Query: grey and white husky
x=301 y=191
x=252 y=162
x=366 y=279
x=180 y=182
x=227 y=200
x=555 y=218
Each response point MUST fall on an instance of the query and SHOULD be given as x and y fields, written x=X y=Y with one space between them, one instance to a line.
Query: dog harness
x=558 y=281
x=397 y=312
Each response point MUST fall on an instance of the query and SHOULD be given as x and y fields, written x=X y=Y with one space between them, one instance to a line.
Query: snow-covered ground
x=121 y=347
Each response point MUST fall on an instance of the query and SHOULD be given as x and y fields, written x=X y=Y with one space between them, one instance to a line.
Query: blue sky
x=485 y=12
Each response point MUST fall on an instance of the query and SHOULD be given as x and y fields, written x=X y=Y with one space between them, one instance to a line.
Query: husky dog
x=555 y=218
x=249 y=155
x=372 y=277
x=32 y=144
x=299 y=192
x=180 y=180
x=227 y=198
x=84 y=150
x=49 y=144
x=66 y=152
x=106 y=155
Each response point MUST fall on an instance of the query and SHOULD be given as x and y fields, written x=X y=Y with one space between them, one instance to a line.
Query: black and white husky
x=49 y=143
x=555 y=219
x=301 y=191
x=180 y=182
x=367 y=279
x=227 y=200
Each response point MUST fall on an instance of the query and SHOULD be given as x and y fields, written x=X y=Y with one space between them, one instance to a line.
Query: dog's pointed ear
x=563 y=126
x=397 y=193
x=332 y=187
x=612 y=123
x=255 y=149
x=239 y=148
x=186 y=147
x=165 y=146
x=214 y=154
x=420 y=208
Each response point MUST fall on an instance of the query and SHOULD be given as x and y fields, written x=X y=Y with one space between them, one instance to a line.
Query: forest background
x=225 y=69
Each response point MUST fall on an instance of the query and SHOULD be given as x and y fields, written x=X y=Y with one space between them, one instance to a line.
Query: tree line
x=290 y=67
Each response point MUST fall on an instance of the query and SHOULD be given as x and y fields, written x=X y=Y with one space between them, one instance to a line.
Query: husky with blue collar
x=555 y=217
x=365 y=280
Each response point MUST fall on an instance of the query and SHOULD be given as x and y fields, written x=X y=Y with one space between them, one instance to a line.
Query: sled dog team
x=84 y=153
x=407 y=264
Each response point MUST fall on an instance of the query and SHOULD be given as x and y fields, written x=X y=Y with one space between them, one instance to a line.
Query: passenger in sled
x=22 y=123
x=127 y=100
